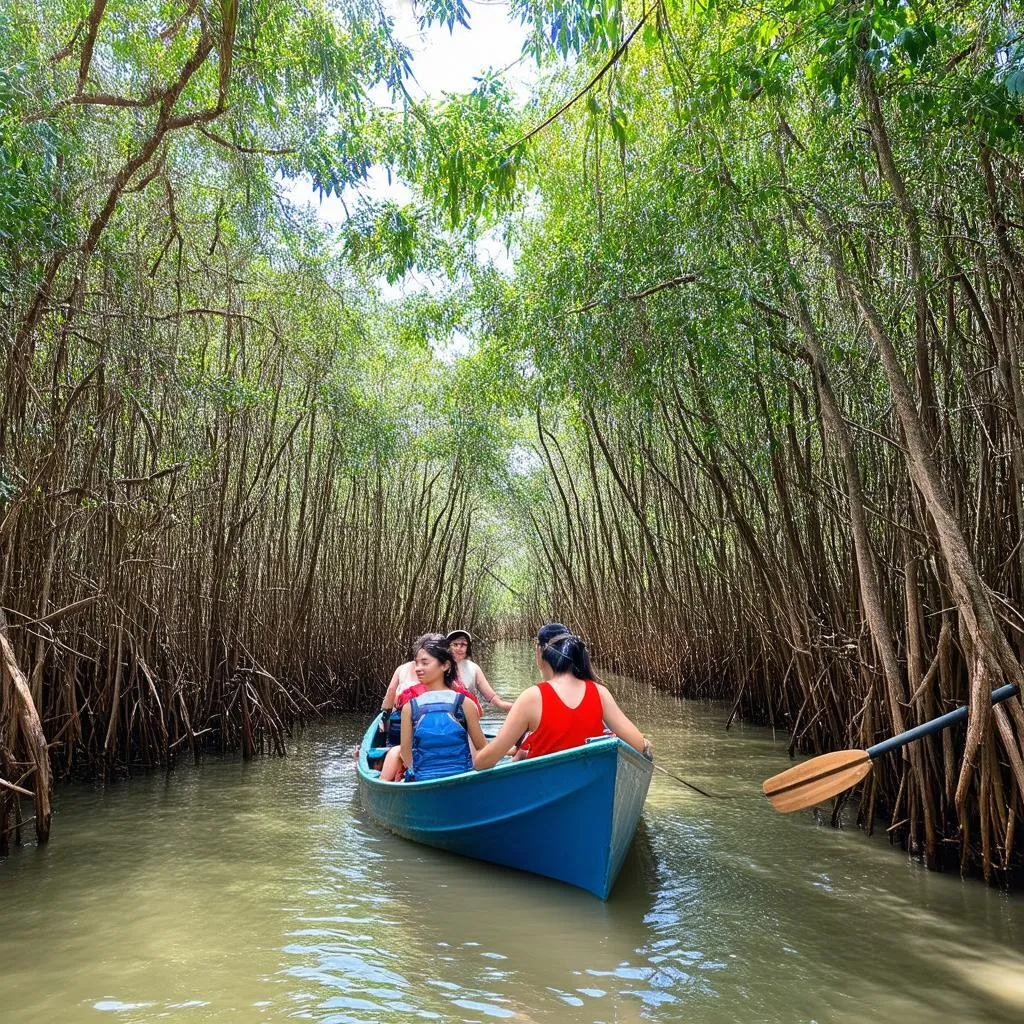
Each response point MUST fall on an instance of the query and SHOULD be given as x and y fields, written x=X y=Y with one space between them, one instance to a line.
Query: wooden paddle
x=828 y=775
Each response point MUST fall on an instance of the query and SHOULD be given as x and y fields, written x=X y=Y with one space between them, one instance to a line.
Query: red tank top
x=561 y=726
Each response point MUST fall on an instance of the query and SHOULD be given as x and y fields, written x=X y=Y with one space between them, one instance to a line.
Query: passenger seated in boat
x=402 y=679
x=403 y=687
x=471 y=675
x=565 y=710
x=438 y=723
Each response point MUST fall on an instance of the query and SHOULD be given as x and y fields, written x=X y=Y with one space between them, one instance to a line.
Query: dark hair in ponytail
x=436 y=645
x=566 y=652
x=549 y=631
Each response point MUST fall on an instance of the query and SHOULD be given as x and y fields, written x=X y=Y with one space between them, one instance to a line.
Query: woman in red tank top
x=563 y=711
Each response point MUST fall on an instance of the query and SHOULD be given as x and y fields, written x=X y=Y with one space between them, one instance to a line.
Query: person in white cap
x=470 y=673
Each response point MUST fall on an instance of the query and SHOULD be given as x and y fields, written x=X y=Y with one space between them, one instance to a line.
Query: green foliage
x=570 y=28
x=667 y=210
x=32 y=215
x=387 y=239
x=444 y=12
x=466 y=168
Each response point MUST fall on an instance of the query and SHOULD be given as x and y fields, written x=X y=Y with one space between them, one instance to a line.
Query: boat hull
x=570 y=816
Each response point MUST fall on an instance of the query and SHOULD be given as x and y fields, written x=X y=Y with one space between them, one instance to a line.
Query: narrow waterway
x=258 y=892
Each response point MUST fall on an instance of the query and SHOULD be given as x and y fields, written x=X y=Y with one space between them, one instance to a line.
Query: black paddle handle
x=936 y=724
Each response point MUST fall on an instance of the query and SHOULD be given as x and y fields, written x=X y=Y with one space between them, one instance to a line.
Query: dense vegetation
x=750 y=402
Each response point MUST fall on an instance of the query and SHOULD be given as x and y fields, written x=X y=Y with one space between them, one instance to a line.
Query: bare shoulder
x=531 y=695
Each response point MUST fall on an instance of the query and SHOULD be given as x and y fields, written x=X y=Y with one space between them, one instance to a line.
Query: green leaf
x=1014 y=83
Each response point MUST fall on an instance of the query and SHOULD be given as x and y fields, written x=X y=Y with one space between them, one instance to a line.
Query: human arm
x=525 y=714
x=488 y=694
x=617 y=721
x=476 y=734
x=406 y=744
x=392 y=692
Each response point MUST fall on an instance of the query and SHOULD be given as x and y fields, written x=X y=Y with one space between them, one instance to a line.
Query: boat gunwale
x=592 y=748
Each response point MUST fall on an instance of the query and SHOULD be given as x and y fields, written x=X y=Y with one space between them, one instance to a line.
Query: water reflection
x=413 y=933
x=258 y=892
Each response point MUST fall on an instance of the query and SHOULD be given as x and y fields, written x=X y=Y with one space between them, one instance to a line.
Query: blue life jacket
x=440 y=743
x=394 y=733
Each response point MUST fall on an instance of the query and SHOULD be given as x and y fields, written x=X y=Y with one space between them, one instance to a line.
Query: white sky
x=446 y=62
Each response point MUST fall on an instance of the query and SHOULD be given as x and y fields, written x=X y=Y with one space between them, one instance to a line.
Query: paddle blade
x=814 y=781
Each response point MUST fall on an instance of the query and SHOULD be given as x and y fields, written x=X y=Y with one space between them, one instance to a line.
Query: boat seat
x=376 y=752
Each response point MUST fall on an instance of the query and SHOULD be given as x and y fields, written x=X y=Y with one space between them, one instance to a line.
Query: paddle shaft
x=697 y=789
x=936 y=724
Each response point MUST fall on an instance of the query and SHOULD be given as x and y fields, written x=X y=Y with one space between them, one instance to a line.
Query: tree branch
x=673 y=282
x=157 y=168
x=175 y=27
x=16 y=789
x=250 y=150
x=606 y=67
x=55 y=616
x=95 y=17
x=65 y=51
x=98 y=99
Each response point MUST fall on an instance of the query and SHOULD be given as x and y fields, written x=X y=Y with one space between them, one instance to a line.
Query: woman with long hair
x=566 y=709
x=438 y=723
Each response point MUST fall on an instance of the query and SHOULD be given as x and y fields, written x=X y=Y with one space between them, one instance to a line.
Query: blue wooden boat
x=570 y=816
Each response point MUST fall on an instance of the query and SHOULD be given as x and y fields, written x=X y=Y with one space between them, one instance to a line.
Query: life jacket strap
x=455 y=709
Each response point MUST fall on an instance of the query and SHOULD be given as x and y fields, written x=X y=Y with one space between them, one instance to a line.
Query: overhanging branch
x=672 y=282
x=605 y=68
